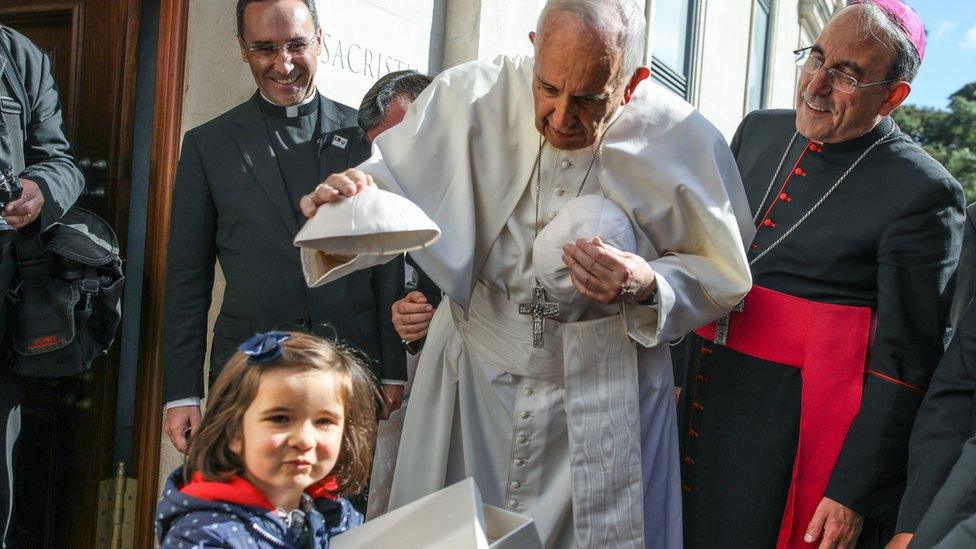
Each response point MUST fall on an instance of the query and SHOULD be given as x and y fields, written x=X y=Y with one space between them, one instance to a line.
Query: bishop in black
x=856 y=226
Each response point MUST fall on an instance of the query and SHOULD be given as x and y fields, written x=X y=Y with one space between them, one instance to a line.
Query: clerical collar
x=308 y=106
x=860 y=143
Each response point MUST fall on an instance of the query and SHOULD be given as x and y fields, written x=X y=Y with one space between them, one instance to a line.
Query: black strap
x=31 y=259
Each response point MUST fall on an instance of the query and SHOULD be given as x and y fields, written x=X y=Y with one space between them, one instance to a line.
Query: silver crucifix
x=540 y=309
x=722 y=325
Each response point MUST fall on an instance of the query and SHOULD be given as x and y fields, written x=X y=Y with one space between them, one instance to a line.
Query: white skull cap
x=373 y=222
x=586 y=217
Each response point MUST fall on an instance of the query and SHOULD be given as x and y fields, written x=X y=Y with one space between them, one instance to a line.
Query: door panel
x=68 y=424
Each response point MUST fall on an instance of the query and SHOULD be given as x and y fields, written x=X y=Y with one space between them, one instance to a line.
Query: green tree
x=948 y=135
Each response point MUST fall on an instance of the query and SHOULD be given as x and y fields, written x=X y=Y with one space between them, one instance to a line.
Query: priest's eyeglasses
x=841 y=82
x=268 y=51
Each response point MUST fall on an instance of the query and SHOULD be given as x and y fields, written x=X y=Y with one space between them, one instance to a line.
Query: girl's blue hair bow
x=264 y=348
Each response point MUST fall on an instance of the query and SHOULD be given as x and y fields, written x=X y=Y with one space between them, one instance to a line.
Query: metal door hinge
x=116 y=511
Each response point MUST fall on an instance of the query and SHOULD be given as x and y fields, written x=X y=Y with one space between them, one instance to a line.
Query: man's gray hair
x=624 y=19
x=400 y=84
x=878 y=24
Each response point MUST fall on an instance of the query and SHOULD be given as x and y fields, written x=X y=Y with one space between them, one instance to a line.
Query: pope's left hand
x=834 y=525
x=27 y=208
x=605 y=274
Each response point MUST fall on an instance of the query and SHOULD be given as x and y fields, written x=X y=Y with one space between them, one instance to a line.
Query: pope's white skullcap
x=585 y=217
x=373 y=222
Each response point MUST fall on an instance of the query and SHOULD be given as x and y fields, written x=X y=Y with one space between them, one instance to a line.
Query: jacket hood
x=235 y=496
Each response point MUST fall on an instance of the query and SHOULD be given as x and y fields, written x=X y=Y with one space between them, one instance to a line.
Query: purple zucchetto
x=906 y=18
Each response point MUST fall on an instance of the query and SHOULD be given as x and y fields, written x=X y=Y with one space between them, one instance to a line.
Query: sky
x=950 y=56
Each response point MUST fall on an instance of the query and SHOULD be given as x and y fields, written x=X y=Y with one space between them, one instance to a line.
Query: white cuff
x=399 y=382
x=644 y=322
x=191 y=401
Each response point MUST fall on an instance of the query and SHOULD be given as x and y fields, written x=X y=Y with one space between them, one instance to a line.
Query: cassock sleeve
x=944 y=422
x=701 y=270
x=916 y=256
x=189 y=277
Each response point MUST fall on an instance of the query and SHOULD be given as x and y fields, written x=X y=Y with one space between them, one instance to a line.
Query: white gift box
x=452 y=518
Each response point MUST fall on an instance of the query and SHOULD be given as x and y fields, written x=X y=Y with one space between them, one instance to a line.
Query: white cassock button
x=519 y=462
x=529 y=391
x=560 y=192
x=513 y=504
x=526 y=415
x=566 y=164
x=551 y=215
x=516 y=484
x=521 y=439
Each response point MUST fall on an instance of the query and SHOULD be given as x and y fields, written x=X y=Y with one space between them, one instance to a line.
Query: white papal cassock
x=485 y=403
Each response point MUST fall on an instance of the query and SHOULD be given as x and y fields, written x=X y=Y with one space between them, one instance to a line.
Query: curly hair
x=237 y=386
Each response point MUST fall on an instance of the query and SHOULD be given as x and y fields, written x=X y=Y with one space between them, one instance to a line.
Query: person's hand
x=179 y=422
x=392 y=399
x=27 y=208
x=336 y=186
x=605 y=274
x=834 y=525
x=411 y=316
x=900 y=541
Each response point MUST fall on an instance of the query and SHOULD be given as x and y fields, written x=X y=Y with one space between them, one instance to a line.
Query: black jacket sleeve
x=963 y=535
x=47 y=157
x=189 y=277
x=387 y=281
x=944 y=422
x=954 y=503
x=916 y=256
x=964 y=280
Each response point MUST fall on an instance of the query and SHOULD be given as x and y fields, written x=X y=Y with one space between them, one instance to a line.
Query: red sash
x=829 y=343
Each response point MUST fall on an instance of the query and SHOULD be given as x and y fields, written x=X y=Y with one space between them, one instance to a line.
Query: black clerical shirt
x=292 y=132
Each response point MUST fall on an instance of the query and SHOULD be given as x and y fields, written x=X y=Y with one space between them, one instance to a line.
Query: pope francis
x=569 y=419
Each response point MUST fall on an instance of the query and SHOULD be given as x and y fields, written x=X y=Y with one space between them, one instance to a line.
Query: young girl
x=289 y=426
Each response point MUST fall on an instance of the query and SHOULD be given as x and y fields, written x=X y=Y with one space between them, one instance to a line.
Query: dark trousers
x=9 y=433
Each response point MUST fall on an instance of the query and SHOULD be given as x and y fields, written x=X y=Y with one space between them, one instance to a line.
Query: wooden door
x=68 y=425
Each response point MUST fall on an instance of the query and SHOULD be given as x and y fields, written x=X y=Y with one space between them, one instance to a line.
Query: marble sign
x=366 y=39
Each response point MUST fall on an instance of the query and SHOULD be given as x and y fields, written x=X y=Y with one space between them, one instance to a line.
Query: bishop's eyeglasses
x=268 y=51
x=840 y=81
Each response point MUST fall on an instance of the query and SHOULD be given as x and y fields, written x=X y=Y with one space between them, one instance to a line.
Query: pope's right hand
x=411 y=316
x=336 y=186
x=179 y=423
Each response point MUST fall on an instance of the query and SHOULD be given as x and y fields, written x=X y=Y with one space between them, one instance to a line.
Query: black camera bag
x=65 y=303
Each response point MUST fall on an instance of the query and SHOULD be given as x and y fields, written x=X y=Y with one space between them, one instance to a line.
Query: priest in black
x=796 y=410
x=236 y=201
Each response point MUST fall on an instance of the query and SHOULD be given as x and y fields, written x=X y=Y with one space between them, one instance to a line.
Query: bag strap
x=31 y=259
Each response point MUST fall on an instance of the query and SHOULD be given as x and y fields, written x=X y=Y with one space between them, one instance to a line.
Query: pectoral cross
x=722 y=324
x=540 y=309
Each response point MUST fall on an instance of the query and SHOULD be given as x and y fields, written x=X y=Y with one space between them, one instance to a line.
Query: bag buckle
x=89 y=286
